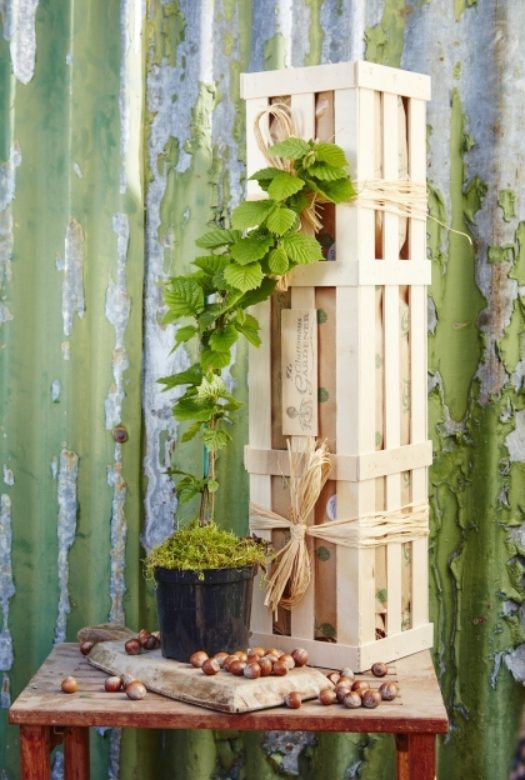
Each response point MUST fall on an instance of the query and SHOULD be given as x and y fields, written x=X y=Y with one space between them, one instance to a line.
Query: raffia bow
x=309 y=471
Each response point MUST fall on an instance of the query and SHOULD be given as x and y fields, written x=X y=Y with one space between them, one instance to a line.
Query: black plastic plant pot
x=210 y=614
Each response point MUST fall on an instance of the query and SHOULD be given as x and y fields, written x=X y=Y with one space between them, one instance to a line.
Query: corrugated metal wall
x=121 y=136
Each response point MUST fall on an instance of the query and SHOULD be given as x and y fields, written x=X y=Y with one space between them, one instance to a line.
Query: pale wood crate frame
x=355 y=275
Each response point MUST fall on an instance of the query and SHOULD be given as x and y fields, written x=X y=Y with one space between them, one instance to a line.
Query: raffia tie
x=291 y=564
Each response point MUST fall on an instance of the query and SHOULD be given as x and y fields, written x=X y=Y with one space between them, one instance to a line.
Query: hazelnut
x=237 y=667
x=135 y=690
x=69 y=685
x=274 y=651
x=210 y=666
x=143 y=636
x=352 y=700
x=293 y=700
x=345 y=680
x=86 y=646
x=241 y=655
x=151 y=643
x=360 y=686
x=112 y=684
x=266 y=666
x=327 y=696
x=371 y=698
x=221 y=657
x=379 y=669
x=341 y=691
x=287 y=659
x=300 y=656
x=132 y=646
x=280 y=668
x=228 y=662
x=126 y=679
x=388 y=691
x=347 y=672
x=256 y=651
x=197 y=658
x=252 y=670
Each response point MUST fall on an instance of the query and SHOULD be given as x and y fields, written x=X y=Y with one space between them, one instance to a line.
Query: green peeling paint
x=275 y=52
x=460 y=6
x=315 y=32
x=384 y=41
x=507 y=203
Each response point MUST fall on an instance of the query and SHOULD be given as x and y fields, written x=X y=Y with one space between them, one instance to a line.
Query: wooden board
x=223 y=692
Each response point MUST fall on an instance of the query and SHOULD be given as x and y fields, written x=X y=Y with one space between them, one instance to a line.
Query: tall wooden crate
x=370 y=301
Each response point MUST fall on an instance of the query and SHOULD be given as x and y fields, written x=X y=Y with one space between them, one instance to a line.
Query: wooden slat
x=255 y=159
x=340 y=273
x=351 y=468
x=418 y=359
x=345 y=75
x=260 y=436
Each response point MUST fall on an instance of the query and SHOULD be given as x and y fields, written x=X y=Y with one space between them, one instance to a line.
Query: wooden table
x=48 y=717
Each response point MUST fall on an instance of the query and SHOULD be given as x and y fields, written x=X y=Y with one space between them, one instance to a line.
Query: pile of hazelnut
x=354 y=693
x=253 y=663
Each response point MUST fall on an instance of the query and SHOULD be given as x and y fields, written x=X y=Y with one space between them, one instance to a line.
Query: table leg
x=416 y=756
x=76 y=754
x=35 y=747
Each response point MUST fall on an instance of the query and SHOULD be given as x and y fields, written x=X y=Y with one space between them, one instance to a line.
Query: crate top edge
x=333 y=76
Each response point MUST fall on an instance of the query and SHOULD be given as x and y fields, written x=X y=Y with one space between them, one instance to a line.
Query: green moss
x=197 y=548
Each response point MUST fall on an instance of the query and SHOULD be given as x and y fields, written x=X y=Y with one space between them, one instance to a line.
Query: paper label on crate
x=299 y=371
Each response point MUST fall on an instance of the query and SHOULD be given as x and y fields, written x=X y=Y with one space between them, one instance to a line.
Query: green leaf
x=191 y=376
x=259 y=294
x=278 y=261
x=216 y=439
x=249 y=327
x=290 y=149
x=211 y=388
x=211 y=264
x=281 y=220
x=211 y=313
x=283 y=185
x=212 y=485
x=185 y=334
x=217 y=237
x=245 y=277
x=222 y=340
x=251 y=213
x=340 y=191
x=331 y=154
x=327 y=172
x=214 y=360
x=302 y=249
x=249 y=249
x=265 y=174
x=184 y=297
x=192 y=410
x=191 y=432
x=188 y=487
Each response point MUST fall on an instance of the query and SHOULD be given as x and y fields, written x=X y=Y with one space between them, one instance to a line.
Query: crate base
x=358 y=657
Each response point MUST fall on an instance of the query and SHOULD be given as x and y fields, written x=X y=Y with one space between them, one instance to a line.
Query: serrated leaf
x=191 y=376
x=284 y=185
x=251 y=213
x=290 y=149
x=331 y=154
x=325 y=172
x=188 y=487
x=217 y=237
x=259 y=294
x=191 y=432
x=190 y=409
x=185 y=334
x=211 y=264
x=249 y=249
x=184 y=297
x=249 y=327
x=211 y=388
x=281 y=220
x=340 y=191
x=216 y=439
x=278 y=261
x=265 y=174
x=301 y=248
x=210 y=359
x=244 y=277
x=222 y=340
